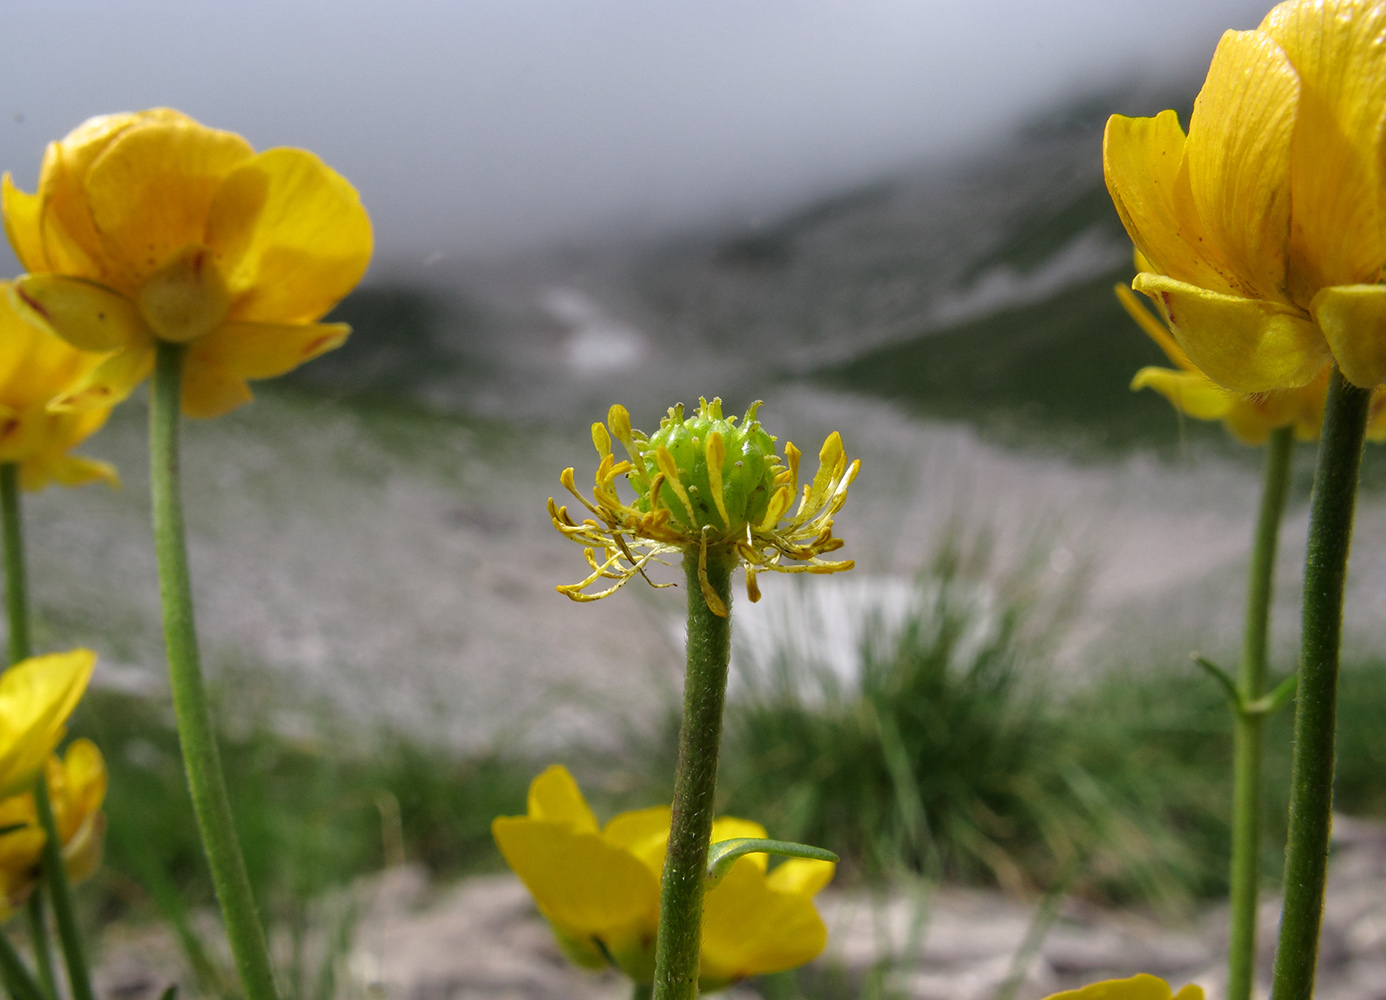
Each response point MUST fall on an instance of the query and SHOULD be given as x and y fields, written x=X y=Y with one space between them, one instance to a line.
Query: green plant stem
x=201 y=759
x=19 y=984
x=695 y=782
x=1311 y=769
x=37 y=914
x=54 y=868
x=1248 y=728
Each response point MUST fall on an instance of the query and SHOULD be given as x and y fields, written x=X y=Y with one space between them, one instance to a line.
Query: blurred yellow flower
x=151 y=226
x=599 y=888
x=1140 y=987
x=36 y=697
x=36 y=367
x=1265 y=227
x=76 y=788
x=704 y=484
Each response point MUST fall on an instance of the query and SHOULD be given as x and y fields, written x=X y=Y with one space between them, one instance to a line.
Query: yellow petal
x=1152 y=327
x=1336 y=168
x=86 y=315
x=1238 y=157
x=150 y=190
x=1191 y=393
x=1353 y=320
x=752 y=929
x=644 y=833
x=554 y=795
x=731 y=828
x=1142 y=161
x=805 y=876
x=264 y=350
x=36 y=697
x=66 y=470
x=579 y=881
x=109 y=383
x=292 y=236
x=1141 y=987
x=210 y=391
x=22 y=225
x=1246 y=345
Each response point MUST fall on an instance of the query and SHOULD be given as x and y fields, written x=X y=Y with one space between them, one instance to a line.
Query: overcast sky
x=478 y=125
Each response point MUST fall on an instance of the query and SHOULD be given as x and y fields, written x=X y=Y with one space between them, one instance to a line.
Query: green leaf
x=1271 y=703
x=723 y=855
x=1222 y=677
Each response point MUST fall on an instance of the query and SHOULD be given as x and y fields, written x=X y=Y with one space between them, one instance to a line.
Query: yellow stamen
x=716 y=452
x=714 y=603
x=671 y=478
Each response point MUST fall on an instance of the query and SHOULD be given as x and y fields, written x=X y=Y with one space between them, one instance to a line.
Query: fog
x=485 y=126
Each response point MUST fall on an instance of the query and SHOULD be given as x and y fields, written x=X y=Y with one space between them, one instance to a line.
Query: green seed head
x=716 y=474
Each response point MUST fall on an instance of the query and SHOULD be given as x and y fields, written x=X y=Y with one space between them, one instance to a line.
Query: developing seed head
x=705 y=484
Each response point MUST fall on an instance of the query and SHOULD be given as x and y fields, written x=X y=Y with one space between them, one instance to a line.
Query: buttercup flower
x=599 y=888
x=36 y=367
x=76 y=788
x=36 y=697
x=1265 y=226
x=150 y=226
x=1249 y=418
x=704 y=484
x=1139 y=987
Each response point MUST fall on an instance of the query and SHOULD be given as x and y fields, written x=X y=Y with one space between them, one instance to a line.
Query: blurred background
x=886 y=219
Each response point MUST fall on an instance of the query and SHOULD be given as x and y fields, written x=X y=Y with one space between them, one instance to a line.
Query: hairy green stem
x=54 y=868
x=695 y=782
x=1311 y=770
x=201 y=758
x=1248 y=727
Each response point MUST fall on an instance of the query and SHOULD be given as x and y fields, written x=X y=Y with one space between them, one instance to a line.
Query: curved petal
x=65 y=470
x=751 y=929
x=1238 y=156
x=291 y=235
x=87 y=315
x=150 y=190
x=264 y=350
x=1337 y=49
x=22 y=225
x=1141 y=987
x=1190 y=393
x=554 y=795
x=109 y=383
x=1142 y=160
x=1153 y=328
x=1353 y=320
x=644 y=833
x=806 y=876
x=36 y=697
x=583 y=884
x=211 y=391
x=1246 y=345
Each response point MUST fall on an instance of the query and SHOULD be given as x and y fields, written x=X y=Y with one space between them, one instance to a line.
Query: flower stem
x=19 y=984
x=54 y=868
x=1311 y=771
x=201 y=758
x=1248 y=727
x=695 y=782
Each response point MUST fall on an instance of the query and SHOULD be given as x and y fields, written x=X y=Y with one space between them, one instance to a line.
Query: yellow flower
x=599 y=888
x=1139 y=987
x=1249 y=418
x=151 y=226
x=76 y=788
x=706 y=485
x=36 y=367
x=36 y=697
x=1265 y=227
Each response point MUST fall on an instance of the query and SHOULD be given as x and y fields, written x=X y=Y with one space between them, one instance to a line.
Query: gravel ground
x=481 y=939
